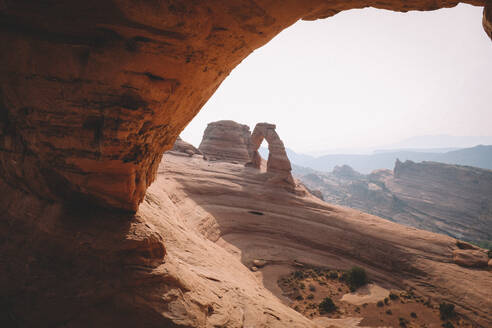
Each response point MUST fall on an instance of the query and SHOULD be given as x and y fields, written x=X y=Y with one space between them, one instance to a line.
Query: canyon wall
x=92 y=93
x=449 y=199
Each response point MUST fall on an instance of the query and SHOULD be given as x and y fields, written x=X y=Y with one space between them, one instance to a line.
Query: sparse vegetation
x=299 y=297
x=327 y=306
x=355 y=277
x=447 y=311
x=393 y=296
x=403 y=322
x=333 y=275
x=389 y=312
x=386 y=300
x=380 y=304
x=448 y=324
x=310 y=296
x=413 y=315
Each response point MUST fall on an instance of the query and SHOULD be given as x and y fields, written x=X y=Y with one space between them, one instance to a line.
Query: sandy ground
x=371 y=293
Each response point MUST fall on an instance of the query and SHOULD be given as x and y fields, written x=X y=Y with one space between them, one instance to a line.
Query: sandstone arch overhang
x=93 y=92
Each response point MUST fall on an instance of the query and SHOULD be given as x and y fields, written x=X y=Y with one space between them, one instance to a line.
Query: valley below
x=449 y=199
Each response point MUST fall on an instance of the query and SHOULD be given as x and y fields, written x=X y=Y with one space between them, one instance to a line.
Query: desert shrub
x=393 y=296
x=357 y=277
x=389 y=312
x=413 y=315
x=297 y=308
x=403 y=322
x=448 y=324
x=380 y=304
x=333 y=275
x=447 y=311
x=302 y=286
x=312 y=288
x=298 y=275
x=489 y=253
x=386 y=300
x=299 y=297
x=310 y=296
x=357 y=309
x=327 y=306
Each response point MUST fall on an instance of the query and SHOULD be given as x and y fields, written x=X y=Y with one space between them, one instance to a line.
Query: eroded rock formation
x=278 y=163
x=184 y=147
x=93 y=92
x=226 y=140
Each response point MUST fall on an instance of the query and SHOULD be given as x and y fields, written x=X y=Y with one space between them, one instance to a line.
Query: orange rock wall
x=93 y=92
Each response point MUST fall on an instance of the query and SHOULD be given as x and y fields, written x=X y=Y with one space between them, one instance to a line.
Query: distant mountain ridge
x=479 y=156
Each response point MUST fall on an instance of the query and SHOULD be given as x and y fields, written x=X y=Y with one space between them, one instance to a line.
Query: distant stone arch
x=278 y=162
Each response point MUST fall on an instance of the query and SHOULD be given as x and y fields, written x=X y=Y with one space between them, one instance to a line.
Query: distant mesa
x=233 y=142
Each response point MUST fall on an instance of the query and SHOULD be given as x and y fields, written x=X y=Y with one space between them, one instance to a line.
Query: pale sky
x=363 y=78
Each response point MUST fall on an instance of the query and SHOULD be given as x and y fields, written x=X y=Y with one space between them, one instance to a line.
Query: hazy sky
x=363 y=78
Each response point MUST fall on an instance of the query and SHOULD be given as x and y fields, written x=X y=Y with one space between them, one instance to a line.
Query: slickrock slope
x=179 y=261
x=451 y=199
x=93 y=92
x=226 y=140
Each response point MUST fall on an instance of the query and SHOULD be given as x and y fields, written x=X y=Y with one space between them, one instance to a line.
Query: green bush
x=327 y=306
x=357 y=277
x=403 y=322
x=447 y=311
x=333 y=275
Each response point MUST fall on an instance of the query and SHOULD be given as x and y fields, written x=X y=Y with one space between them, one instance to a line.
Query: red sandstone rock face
x=226 y=140
x=93 y=92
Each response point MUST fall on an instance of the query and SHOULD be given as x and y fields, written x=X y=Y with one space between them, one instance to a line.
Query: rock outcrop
x=226 y=141
x=450 y=199
x=182 y=146
x=470 y=258
x=93 y=92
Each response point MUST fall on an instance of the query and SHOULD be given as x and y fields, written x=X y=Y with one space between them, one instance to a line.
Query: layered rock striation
x=450 y=199
x=226 y=140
